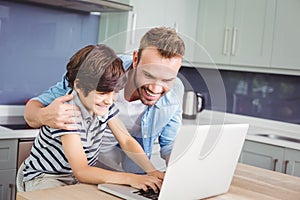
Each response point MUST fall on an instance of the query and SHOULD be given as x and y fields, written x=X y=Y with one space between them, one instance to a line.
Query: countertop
x=257 y=126
x=248 y=183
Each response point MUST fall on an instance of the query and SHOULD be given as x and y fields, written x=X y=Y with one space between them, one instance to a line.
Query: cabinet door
x=8 y=154
x=253 y=32
x=214 y=31
x=262 y=155
x=292 y=162
x=182 y=16
x=113 y=30
x=7 y=184
x=238 y=32
x=286 y=45
x=145 y=15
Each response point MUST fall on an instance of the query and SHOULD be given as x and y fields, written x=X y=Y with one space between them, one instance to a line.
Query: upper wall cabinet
x=286 y=46
x=178 y=14
x=236 y=32
x=123 y=31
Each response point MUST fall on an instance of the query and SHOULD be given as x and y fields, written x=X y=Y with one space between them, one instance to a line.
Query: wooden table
x=248 y=183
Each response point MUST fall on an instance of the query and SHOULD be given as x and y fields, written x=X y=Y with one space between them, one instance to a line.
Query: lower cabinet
x=8 y=158
x=292 y=161
x=7 y=184
x=271 y=157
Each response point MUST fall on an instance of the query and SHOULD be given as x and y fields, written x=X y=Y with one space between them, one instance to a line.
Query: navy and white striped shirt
x=47 y=155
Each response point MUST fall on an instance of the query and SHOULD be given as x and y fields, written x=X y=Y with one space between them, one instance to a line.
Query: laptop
x=202 y=164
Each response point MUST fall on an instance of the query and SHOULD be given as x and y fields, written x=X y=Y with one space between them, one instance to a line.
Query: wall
x=35 y=45
x=269 y=96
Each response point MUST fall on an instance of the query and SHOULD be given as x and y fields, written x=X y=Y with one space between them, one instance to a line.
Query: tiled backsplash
x=268 y=96
x=35 y=45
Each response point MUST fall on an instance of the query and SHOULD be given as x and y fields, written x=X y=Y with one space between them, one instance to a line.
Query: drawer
x=8 y=154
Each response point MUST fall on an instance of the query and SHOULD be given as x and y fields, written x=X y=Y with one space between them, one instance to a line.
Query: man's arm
x=49 y=108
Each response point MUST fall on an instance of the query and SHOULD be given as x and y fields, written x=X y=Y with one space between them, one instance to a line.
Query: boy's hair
x=96 y=67
x=165 y=40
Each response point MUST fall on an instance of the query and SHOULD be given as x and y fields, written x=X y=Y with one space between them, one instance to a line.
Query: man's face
x=154 y=75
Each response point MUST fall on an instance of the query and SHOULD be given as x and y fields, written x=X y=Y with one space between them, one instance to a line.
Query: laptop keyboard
x=150 y=194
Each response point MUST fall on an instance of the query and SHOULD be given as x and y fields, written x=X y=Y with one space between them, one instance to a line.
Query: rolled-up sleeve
x=60 y=89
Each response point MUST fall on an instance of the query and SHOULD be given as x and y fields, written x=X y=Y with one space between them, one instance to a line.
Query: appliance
x=83 y=5
x=202 y=164
x=193 y=103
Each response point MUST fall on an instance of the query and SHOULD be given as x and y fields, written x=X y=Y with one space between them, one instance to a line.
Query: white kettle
x=193 y=103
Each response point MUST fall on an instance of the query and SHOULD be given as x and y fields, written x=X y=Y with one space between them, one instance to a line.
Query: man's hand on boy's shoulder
x=61 y=115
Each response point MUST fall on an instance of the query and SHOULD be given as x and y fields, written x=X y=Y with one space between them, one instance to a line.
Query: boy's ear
x=75 y=84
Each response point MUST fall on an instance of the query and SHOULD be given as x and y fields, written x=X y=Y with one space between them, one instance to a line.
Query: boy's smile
x=96 y=102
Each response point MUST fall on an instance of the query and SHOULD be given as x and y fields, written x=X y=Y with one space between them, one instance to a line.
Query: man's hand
x=60 y=114
x=56 y=115
x=157 y=174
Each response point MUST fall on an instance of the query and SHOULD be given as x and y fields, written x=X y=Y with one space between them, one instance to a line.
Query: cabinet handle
x=175 y=26
x=274 y=164
x=285 y=166
x=225 y=45
x=234 y=35
x=11 y=188
x=134 y=16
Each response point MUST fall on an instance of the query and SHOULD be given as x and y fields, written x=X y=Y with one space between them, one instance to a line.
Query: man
x=150 y=104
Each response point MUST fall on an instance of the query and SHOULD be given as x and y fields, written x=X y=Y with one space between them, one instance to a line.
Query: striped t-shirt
x=47 y=155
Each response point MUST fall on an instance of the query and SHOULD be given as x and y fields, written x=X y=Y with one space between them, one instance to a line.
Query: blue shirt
x=160 y=121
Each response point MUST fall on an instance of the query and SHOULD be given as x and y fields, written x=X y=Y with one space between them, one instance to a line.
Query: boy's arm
x=132 y=148
x=93 y=175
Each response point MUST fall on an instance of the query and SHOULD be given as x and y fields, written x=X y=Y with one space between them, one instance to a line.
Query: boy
x=63 y=157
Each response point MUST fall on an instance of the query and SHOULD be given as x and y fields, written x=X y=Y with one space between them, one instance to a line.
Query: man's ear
x=135 y=59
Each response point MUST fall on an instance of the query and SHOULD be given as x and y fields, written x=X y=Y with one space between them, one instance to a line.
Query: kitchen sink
x=279 y=137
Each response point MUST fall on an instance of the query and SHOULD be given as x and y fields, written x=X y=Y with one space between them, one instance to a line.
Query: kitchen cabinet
x=271 y=157
x=286 y=45
x=113 y=30
x=235 y=32
x=8 y=158
x=7 y=184
x=292 y=161
x=123 y=31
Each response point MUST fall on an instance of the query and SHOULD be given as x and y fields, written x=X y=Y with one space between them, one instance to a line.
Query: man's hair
x=96 y=67
x=166 y=40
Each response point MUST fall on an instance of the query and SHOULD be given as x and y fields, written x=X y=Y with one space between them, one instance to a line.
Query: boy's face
x=154 y=75
x=97 y=102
